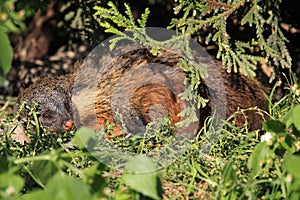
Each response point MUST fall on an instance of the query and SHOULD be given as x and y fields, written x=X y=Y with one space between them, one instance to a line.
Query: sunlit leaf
x=142 y=176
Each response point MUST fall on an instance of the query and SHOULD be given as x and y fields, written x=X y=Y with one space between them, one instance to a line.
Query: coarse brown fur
x=97 y=105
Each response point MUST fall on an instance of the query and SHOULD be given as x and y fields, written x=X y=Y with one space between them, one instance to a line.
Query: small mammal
x=54 y=95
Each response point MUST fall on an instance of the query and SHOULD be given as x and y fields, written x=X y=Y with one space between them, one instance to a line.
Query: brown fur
x=114 y=84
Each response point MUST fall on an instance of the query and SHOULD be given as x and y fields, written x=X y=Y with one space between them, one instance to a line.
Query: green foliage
x=11 y=20
x=62 y=186
x=235 y=53
x=60 y=167
x=10 y=185
x=111 y=15
x=259 y=157
x=156 y=142
x=242 y=164
x=127 y=22
x=280 y=144
x=142 y=177
x=6 y=55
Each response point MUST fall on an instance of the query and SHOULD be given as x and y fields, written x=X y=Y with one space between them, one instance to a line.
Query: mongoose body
x=97 y=103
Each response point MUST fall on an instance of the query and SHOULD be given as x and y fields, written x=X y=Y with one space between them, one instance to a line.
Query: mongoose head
x=53 y=97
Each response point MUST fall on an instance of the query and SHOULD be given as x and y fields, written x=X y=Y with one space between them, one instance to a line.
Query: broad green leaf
x=6 y=52
x=142 y=177
x=11 y=180
x=296 y=116
x=120 y=195
x=84 y=138
x=92 y=170
x=291 y=164
x=259 y=156
x=62 y=187
x=94 y=178
x=288 y=119
x=43 y=170
x=274 y=126
x=288 y=143
x=37 y=195
x=140 y=164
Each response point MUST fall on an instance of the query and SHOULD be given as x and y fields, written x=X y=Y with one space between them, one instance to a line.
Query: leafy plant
x=10 y=21
x=258 y=17
x=57 y=166
x=280 y=144
x=111 y=15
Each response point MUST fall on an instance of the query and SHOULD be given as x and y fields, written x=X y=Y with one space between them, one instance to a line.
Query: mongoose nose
x=68 y=125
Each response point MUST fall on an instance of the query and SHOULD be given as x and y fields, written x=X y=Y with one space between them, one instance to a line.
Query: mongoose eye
x=46 y=115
